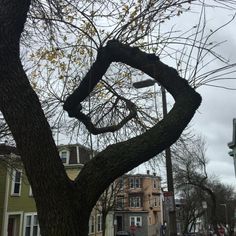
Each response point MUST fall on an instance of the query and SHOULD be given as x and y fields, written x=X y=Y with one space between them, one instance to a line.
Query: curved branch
x=119 y=158
x=85 y=119
x=115 y=51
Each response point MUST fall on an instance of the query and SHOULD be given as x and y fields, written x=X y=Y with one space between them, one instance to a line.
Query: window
x=30 y=192
x=135 y=201
x=155 y=200
x=16 y=183
x=120 y=203
x=64 y=156
x=91 y=224
x=135 y=183
x=131 y=182
x=99 y=223
x=155 y=184
x=120 y=184
x=136 y=220
x=31 y=226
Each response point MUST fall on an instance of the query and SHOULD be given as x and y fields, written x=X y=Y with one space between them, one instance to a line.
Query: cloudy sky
x=214 y=117
x=213 y=120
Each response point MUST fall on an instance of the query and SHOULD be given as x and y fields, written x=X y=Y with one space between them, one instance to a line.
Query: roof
x=77 y=156
x=7 y=149
x=143 y=175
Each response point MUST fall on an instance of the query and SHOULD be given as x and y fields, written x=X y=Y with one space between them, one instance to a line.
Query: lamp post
x=172 y=214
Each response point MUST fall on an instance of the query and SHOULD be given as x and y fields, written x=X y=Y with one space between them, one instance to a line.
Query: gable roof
x=7 y=149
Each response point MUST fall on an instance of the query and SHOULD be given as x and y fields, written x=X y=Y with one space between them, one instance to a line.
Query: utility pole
x=170 y=185
x=171 y=227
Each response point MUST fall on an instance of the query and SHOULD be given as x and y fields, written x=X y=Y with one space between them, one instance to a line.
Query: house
x=18 y=215
x=138 y=207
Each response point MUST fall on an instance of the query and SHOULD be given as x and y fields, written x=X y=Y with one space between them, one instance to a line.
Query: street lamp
x=169 y=173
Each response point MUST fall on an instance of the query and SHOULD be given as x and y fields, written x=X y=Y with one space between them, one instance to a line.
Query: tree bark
x=52 y=190
x=64 y=206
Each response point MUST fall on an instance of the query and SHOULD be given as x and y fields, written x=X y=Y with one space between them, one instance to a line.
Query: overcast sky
x=214 y=117
x=214 y=121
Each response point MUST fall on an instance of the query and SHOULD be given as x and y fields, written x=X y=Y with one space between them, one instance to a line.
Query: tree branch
x=115 y=51
x=119 y=158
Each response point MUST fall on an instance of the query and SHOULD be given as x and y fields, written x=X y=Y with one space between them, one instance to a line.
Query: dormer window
x=16 y=183
x=64 y=154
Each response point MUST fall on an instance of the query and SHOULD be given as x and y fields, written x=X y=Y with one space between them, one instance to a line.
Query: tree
x=194 y=184
x=63 y=205
x=191 y=170
x=107 y=202
x=65 y=38
x=190 y=208
x=225 y=203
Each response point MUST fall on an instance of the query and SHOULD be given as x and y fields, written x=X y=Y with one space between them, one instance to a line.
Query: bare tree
x=77 y=30
x=63 y=205
x=108 y=201
x=191 y=177
x=190 y=209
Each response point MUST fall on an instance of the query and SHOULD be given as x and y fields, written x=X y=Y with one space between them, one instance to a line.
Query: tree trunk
x=58 y=210
x=104 y=216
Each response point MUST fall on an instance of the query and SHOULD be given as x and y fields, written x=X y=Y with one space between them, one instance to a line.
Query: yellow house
x=18 y=215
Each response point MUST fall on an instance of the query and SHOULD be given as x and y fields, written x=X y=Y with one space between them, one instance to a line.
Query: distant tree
x=190 y=209
x=108 y=202
x=194 y=184
x=225 y=203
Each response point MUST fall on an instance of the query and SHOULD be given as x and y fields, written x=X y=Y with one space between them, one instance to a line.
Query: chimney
x=154 y=174
x=148 y=172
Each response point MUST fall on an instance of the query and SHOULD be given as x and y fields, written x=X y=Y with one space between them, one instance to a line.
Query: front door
x=119 y=223
x=11 y=229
